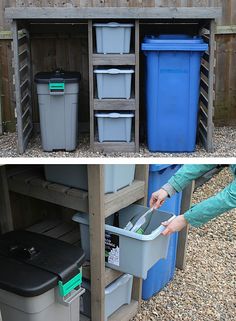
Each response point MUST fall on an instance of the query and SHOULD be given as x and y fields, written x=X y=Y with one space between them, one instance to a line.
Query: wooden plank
x=113 y=60
x=91 y=83
x=137 y=92
x=39 y=192
x=183 y=235
x=124 y=197
x=112 y=147
x=6 y=222
x=110 y=275
x=114 y=104
x=125 y=313
x=210 y=124
x=141 y=173
x=112 y=13
x=18 y=88
x=97 y=240
x=226 y=30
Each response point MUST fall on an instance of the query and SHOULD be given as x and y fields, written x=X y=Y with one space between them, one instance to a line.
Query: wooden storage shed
x=27 y=200
x=71 y=31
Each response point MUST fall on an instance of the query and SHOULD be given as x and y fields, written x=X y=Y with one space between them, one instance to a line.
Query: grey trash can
x=40 y=278
x=58 y=94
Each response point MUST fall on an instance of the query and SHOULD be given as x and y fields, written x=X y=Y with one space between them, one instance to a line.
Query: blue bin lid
x=158 y=168
x=176 y=42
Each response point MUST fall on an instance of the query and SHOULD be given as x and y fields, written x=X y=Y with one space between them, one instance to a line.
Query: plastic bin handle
x=66 y=288
x=67 y=301
x=113 y=71
x=114 y=115
x=162 y=228
x=114 y=24
x=57 y=86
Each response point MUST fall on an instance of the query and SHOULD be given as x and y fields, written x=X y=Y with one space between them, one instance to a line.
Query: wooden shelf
x=126 y=196
x=110 y=275
x=111 y=147
x=126 y=312
x=113 y=60
x=114 y=104
x=32 y=183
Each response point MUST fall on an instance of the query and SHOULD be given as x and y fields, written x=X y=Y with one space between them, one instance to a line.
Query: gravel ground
x=224 y=141
x=206 y=290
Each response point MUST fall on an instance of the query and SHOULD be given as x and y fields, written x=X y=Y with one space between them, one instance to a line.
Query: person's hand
x=174 y=226
x=158 y=198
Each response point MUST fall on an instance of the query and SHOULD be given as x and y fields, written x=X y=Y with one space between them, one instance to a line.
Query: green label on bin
x=66 y=288
x=57 y=86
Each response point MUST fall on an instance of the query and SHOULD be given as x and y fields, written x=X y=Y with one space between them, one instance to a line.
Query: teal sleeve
x=213 y=206
x=188 y=173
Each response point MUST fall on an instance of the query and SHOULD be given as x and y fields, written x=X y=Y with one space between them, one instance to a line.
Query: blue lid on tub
x=175 y=42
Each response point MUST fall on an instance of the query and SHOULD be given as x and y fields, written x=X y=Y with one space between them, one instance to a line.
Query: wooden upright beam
x=183 y=235
x=211 y=87
x=6 y=222
x=137 y=49
x=91 y=82
x=97 y=240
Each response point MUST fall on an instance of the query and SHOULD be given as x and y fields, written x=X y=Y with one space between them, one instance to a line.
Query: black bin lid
x=31 y=263
x=57 y=75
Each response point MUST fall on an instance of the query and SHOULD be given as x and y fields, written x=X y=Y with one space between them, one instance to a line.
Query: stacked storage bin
x=163 y=271
x=114 y=82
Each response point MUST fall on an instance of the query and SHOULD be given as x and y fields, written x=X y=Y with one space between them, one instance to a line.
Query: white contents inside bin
x=113 y=37
x=130 y=252
x=114 y=127
x=117 y=294
x=114 y=83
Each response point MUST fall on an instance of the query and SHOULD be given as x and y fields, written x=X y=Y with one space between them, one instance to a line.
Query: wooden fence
x=225 y=111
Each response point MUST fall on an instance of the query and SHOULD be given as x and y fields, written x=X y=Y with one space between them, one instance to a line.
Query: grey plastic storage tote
x=115 y=176
x=40 y=278
x=117 y=294
x=114 y=83
x=130 y=252
x=116 y=127
x=58 y=94
x=113 y=37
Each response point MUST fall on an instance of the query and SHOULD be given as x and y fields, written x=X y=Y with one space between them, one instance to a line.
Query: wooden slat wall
x=225 y=106
x=225 y=111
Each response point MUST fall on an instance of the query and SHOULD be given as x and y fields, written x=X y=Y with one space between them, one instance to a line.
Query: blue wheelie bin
x=163 y=271
x=172 y=91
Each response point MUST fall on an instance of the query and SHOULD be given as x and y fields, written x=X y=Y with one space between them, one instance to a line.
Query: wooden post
x=210 y=125
x=137 y=45
x=6 y=222
x=183 y=235
x=141 y=173
x=91 y=83
x=17 y=86
x=97 y=240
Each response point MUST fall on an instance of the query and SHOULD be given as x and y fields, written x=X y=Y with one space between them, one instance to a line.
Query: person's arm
x=205 y=211
x=187 y=174
x=213 y=206
x=178 y=182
